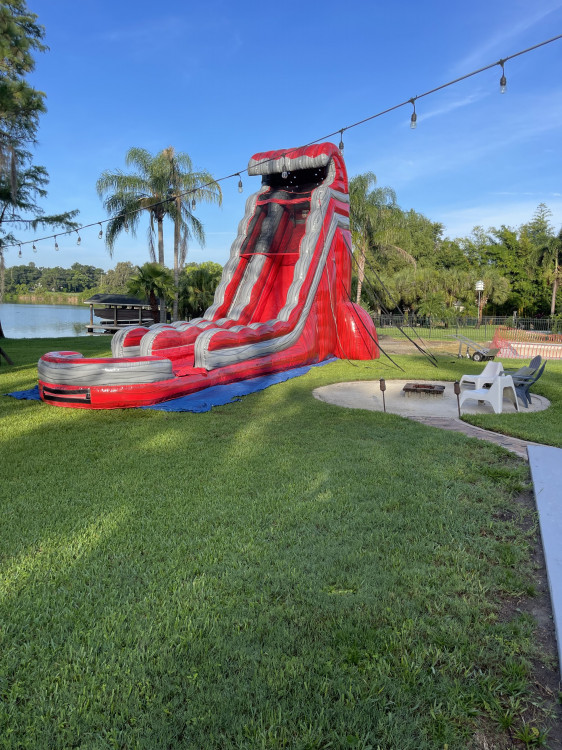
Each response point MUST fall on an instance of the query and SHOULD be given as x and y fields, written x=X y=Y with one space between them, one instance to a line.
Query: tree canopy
x=151 y=281
x=22 y=183
x=157 y=186
x=403 y=257
x=197 y=288
x=20 y=103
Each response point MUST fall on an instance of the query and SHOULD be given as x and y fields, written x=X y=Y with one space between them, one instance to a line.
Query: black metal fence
x=435 y=328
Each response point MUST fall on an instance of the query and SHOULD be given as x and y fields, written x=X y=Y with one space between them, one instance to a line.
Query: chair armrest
x=523 y=380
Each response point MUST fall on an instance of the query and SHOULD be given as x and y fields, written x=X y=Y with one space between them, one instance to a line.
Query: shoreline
x=50 y=298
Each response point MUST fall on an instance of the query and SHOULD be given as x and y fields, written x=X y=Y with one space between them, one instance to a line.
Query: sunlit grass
x=276 y=573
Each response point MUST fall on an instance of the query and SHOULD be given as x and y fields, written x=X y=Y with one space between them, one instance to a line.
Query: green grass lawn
x=276 y=573
x=440 y=333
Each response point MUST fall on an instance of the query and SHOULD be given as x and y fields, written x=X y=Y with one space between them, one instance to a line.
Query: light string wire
x=340 y=131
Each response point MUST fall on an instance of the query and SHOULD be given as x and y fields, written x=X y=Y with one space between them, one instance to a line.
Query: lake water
x=23 y=321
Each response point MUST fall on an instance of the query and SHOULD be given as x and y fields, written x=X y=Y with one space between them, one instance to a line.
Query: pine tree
x=22 y=183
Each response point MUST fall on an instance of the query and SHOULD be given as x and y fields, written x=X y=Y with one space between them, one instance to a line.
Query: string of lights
x=192 y=191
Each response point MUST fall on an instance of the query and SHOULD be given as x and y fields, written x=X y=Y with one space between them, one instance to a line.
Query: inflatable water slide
x=283 y=300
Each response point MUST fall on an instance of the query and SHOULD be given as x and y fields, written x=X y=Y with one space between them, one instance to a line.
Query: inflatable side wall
x=283 y=299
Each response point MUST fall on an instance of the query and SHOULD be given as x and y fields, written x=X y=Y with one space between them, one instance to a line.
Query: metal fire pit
x=423 y=389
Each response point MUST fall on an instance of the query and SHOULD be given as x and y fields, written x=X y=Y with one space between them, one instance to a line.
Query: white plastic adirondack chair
x=487 y=376
x=494 y=394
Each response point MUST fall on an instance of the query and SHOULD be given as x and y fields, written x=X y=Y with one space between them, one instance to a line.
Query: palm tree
x=197 y=288
x=151 y=281
x=422 y=289
x=375 y=219
x=157 y=186
x=199 y=187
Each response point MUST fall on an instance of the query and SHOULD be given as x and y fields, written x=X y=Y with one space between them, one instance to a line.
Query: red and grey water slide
x=282 y=302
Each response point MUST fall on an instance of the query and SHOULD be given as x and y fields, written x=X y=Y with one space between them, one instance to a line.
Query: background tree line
x=196 y=283
x=30 y=279
x=402 y=259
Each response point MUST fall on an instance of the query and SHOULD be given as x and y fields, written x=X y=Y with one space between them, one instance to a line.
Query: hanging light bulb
x=79 y=240
x=34 y=248
x=193 y=204
x=240 y=186
x=284 y=174
x=19 y=254
x=126 y=225
x=503 y=79
x=414 y=117
x=341 y=141
x=100 y=235
x=56 y=243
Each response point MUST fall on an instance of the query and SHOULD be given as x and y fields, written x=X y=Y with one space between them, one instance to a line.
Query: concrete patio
x=367 y=395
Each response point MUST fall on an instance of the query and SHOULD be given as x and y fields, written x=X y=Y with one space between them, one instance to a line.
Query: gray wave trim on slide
x=117 y=348
x=244 y=291
x=242 y=296
x=252 y=273
x=309 y=242
x=104 y=373
x=231 y=355
x=275 y=166
x=234 y=259
x=306 y=250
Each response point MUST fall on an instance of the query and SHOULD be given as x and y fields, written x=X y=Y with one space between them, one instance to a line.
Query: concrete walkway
x=515 y=445
x=546 y=470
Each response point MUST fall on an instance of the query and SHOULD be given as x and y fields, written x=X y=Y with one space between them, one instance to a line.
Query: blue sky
x=222 y=81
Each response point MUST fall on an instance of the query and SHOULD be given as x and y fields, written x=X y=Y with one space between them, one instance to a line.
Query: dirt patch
x=403 y=346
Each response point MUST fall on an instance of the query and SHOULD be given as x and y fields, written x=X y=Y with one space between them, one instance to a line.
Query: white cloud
x=452 y=105
x=449 y=151
x=495 y=44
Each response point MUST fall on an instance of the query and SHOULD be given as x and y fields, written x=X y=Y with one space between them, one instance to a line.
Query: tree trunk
x=554 y=289
x=360 y=273
x=176 y=258
x=483 y=303
x=162 y=300
x=2 y=276
x=153 y=306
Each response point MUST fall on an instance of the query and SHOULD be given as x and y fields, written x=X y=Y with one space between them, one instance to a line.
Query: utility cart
x=477 y=352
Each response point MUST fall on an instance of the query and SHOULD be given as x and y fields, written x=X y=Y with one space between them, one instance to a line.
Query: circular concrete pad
x=366 y=394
